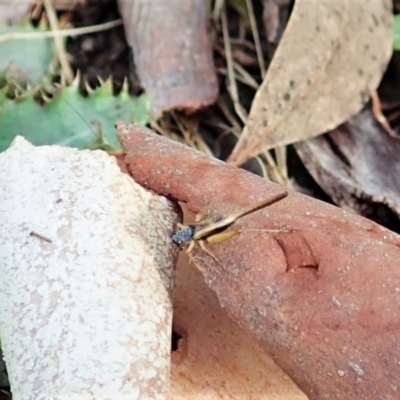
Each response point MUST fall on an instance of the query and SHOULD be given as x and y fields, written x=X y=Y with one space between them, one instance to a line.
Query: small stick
x=41 y=237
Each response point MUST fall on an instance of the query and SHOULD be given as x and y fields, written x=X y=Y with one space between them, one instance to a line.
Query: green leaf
x=25 y=60
x=70 y=119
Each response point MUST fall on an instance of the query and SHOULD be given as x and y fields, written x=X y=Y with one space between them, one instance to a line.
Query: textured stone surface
x=84 y=310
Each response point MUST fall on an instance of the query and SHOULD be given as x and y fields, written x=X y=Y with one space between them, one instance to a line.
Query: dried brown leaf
x=331 y=56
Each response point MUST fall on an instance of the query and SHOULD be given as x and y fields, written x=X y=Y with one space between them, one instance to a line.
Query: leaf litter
x=314 y=112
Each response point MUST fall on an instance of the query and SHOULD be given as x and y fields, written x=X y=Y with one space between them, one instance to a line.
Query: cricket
x=214 y=230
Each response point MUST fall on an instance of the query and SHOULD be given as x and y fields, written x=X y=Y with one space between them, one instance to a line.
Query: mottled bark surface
x=322 y=299
x=172 y=51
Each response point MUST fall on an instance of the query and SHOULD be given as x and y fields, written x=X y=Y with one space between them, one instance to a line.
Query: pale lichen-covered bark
x=85 y=266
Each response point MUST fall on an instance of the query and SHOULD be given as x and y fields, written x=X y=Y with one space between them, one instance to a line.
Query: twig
x=256 y=36
x=281 y=161
x=66 y=69
x=60 y=33
x=233 y=90
x=377 y=111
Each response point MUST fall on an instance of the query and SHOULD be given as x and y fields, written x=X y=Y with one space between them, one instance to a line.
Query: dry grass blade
x=233 y=90
x=61 y=33
x=67 y=72
x=256 y=36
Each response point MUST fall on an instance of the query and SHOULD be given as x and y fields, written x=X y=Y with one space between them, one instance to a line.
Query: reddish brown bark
x=323 y=298
x=172 y=52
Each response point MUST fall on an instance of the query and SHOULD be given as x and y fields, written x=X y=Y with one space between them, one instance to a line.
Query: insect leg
x=190 y=248
x=203 y=246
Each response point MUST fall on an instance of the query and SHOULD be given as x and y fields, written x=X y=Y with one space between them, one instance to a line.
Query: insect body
x=213 y=230
x=184 y=235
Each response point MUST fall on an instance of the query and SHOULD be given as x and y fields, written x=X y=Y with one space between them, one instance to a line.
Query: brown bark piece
x=172 y=51
x=333 y=328
x=356 y=166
